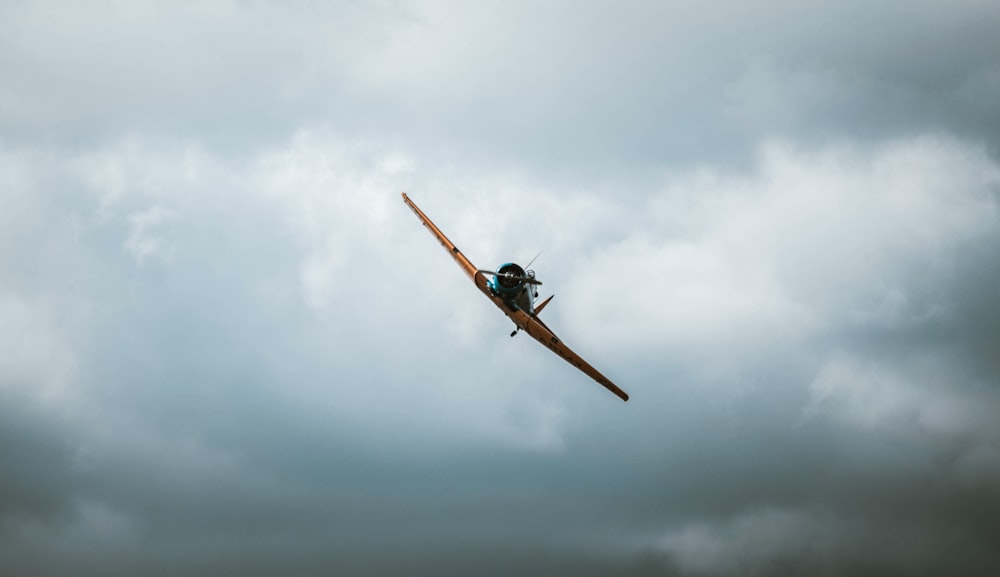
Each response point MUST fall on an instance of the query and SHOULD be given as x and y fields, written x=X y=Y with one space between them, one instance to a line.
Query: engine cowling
x=509 y=279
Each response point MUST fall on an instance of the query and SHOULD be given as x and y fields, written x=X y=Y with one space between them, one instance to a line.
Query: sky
x=228 y=348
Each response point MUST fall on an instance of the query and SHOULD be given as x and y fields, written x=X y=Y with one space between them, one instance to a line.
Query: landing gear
x=514 y=332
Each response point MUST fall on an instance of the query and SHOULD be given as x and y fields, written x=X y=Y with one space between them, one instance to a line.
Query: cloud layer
x=229 y=348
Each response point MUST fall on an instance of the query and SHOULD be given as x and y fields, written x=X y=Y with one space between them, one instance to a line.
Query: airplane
x=512 y=290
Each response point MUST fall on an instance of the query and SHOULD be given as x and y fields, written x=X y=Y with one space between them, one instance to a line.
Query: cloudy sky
x=228 y=348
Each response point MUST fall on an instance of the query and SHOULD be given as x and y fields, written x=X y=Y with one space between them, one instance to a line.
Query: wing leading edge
x=526 y=321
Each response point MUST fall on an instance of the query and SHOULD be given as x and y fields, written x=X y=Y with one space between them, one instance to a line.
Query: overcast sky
x=228 y=348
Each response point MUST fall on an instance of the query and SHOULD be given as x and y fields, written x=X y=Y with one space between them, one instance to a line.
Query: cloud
x=782 y=281
x=753 y=544
x=821 y=543
x=808 y=244
x=922 y=401
x=226 y=346
x=758 y=296
x=144 y=239
x=585 y=86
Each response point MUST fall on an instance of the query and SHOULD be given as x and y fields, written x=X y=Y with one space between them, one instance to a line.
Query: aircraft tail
x=539 y=308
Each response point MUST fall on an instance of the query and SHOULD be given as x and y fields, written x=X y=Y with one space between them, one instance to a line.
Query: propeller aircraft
x=513 y=290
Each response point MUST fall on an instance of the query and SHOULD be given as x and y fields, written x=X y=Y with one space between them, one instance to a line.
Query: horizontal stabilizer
x=539 y=308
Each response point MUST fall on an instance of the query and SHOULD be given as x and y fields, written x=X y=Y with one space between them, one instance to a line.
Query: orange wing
x=538 y=330
x=528 y=322
x=447 y=244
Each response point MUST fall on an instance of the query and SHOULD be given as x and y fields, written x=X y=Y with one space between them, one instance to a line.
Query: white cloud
x=38 y=359
x=719 y=273
x=149 y=235
x=334 y=198
x=921 y=399
x=730 y=266
x=878 y=398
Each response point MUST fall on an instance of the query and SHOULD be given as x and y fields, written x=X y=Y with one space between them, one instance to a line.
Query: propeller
x=527 y=266
x=527 y=279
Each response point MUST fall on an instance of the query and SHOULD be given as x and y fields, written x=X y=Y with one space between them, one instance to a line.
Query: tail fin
x=539 y=308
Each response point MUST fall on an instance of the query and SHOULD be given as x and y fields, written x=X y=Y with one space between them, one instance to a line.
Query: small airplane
x=512 y=290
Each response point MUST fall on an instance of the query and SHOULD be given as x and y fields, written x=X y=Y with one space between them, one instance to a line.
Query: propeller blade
x=526 y=279
x=532 y=260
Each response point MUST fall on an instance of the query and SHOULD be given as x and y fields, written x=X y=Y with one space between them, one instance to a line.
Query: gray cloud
x=229 y=348
x=562 y=85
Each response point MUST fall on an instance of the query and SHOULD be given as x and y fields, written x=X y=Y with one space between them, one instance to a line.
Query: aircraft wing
x=447 y=244
x=531 y=324
x=470 y=269
x=526 y=321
